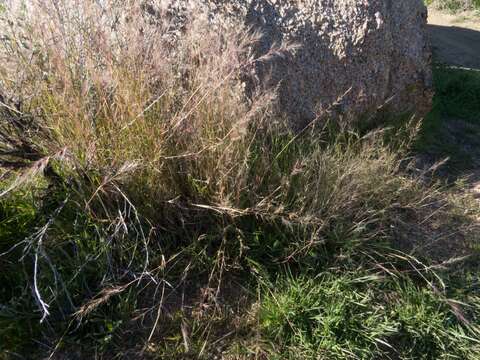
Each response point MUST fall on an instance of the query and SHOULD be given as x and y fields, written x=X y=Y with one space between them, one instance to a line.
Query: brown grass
x=149 y=130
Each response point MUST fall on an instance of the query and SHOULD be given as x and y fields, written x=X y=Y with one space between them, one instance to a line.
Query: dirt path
x=455 y=38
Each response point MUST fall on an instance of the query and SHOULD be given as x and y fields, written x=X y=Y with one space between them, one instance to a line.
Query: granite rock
x=351 y=57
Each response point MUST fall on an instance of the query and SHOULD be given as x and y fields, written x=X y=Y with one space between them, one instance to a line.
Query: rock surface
x=353 y=56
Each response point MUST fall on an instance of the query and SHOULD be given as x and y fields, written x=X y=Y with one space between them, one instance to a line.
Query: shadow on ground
x=452 y=129
x=456 y=46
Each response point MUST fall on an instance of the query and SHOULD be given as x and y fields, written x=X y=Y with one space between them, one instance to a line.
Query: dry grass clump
x=455 y=5
x=118 y=89
x=137 y=177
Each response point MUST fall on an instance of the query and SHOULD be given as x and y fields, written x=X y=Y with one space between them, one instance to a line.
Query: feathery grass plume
x=146 y=197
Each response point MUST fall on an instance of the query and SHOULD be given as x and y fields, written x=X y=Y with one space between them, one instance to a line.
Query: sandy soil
x=455 y=38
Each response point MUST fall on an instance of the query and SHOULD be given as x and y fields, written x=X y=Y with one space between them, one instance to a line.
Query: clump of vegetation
x=361 y=316
x=455 y=5
x=150 y=209
x=452 y=128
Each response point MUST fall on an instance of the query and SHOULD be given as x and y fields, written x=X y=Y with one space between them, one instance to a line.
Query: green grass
x=17 y=222
x=362 y=316
x=147 y=212
x=452 y=129
x=83 y=253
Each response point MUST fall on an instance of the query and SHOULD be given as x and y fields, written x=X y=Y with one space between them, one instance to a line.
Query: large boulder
x=352 y=57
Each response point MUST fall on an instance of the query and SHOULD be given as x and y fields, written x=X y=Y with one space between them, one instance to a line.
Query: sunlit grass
x=150 y=208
